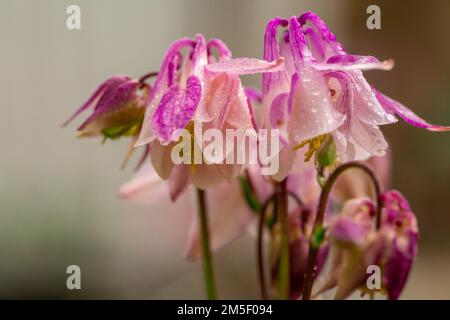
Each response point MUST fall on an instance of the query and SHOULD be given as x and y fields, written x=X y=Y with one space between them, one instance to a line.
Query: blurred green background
x=58 y=203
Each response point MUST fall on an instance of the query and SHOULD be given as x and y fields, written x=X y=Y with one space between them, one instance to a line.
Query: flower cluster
x=314 y=94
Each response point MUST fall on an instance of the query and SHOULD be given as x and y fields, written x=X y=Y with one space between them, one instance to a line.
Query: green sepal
x=326 y=155
x=121 y=130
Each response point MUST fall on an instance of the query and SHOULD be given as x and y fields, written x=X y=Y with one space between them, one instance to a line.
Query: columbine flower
x=119 y=106
x=357 y=245
x=400 y=235
x=195 y=91
x=322 y=92
x=296 y=100
x=118 y=111
x=365 y=108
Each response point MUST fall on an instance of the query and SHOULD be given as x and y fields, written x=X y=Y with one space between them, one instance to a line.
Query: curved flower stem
x=283 y=268
x=259 y=244
x=208 y=270
x=318 y=225
x=148 y=76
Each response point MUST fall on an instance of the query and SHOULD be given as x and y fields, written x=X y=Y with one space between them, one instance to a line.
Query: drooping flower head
x=197 y=89
x=118 y=111
x=322 y=92
x=401 y=234
x=118 y=108
x=357 y=245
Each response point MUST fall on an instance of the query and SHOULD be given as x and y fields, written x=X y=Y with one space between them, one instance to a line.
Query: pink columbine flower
x=357 y=245
x=197 y=90
x=400 y=235
x=322 y=91
x=365 y=108
x=118 y=108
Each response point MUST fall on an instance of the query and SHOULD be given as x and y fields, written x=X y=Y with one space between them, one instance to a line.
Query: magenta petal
x=315 y=43
x=163 y=81
x=176 y=109
x=328 y=37
x=299 y=44
x=271 y=53
x=390 y=105
x=278 y=110
x=242 y=66
x=398 y=267
x=253 y=94
x=222 y=49
x=114 y=97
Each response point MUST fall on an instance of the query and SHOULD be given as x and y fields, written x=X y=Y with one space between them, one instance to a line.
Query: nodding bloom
x=118 y=108
x=356 y=245
x=322 y=92
x=400 y=234
x=197 y=90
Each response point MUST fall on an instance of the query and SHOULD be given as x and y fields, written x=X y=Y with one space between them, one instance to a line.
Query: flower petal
x=163 y=81
x=108 y=84
x=119 y=105
x=390 y=105
x=397 y=269
x=241 y=66
x=176 y=109
x=205 y=176
x=228 y=217
x=178 y=181
x=222 y=49
x=160 y=156
x=312 y=111
x=346 y=62
x=329 y=39
x=145 y=187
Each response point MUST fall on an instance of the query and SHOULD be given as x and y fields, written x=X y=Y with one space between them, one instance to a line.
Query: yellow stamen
x=313 y=145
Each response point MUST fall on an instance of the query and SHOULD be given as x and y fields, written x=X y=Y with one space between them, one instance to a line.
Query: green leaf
x=318 y=236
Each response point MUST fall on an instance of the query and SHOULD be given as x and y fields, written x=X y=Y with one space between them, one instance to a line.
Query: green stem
x=260 y=250
x=318 y=225
x=208 y=270
x=283 y=271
